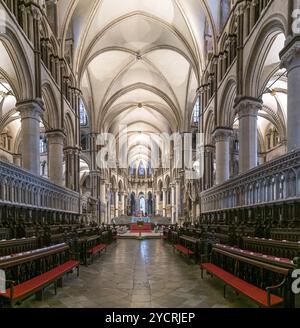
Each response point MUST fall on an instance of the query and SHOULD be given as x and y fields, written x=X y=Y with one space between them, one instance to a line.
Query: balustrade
x=20 y=187
x=274 y=181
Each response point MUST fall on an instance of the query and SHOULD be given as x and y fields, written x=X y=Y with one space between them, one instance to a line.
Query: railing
x=20 y=187
x=274 y=181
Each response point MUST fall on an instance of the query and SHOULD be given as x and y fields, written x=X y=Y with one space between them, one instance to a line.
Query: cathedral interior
x=150 y=148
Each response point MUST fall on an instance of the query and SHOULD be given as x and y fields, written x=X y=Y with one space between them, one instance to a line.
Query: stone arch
x=226 y=104
x=209 y=127
x=23 y=86
x=69 y=129
x=51 y=115
x=259 y=52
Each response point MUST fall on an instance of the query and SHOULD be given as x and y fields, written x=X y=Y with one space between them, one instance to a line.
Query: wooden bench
x=285 y=234
x=252 y=275
x=56 y=262
x=285 y=249
x=97 y=250
x=183 y=250
x=263 y=298
x=14 y=246
x=4 y=233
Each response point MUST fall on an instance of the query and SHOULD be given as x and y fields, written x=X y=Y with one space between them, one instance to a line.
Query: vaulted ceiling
x=139 y=62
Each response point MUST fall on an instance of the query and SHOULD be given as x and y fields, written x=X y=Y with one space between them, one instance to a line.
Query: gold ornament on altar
x=140 y=224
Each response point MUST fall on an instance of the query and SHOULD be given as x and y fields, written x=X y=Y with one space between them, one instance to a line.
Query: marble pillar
x=290 y=58
x=247 y=109
x=31 y=112
x=222 y=140
x=56 y=156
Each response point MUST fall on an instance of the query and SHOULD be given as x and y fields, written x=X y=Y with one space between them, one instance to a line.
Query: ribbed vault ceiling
x=138 y=62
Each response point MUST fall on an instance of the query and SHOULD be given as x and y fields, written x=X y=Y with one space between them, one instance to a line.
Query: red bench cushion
x=184 y=250
x=36 y=283
x=98 y=248
x=256 y=294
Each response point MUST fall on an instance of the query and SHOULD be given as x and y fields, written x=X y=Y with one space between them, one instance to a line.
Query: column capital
x=31 y=109
x=57 y=136
x=247 y=106
x=95 y=173
x=222 y=134
x=290 y=54
x=71 y=150
x=209 y=148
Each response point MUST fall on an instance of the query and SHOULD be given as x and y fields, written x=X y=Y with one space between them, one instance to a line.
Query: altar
x=141 y=219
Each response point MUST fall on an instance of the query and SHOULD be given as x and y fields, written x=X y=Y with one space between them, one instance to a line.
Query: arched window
x=141 y=170
x=196 y=113
x=132 y=169
x=149 y=169
x=225 y=11
x=43 y=145
x=83 y=114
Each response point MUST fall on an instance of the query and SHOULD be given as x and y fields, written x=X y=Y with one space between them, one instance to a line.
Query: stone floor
x=139 y=274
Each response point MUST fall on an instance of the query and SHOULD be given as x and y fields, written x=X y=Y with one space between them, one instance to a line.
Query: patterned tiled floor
x=139 y=274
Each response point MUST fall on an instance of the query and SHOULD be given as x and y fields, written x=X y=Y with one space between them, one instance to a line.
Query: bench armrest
x=271 y=288
x=11 y=287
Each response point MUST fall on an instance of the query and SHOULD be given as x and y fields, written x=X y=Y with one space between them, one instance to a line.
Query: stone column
x=124 y=208
x=164 y=202
x=222 y=138
x=72 y=160
x=178 y=200
x=208 y=166
x=247 y=109
x=116 y=203
x=290 y=57
x=31 y=112
x=108 y=188
x=157 y=203
x=173 y=209
x=122 y=203
x=56 y=156
x=103 y=218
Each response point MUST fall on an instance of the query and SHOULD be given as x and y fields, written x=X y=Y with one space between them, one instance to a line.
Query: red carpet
x=146 y=228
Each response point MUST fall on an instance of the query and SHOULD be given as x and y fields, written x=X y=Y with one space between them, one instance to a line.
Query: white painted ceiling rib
x=138 y=62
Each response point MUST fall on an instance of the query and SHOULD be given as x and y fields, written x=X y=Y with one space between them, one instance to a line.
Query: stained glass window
x=83 y=115
x=196 y=112
x=141 y=170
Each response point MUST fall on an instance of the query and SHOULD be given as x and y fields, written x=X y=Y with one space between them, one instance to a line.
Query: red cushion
x=253 y=292
x=36 y=283
x=97 y=249
x=184 y=250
